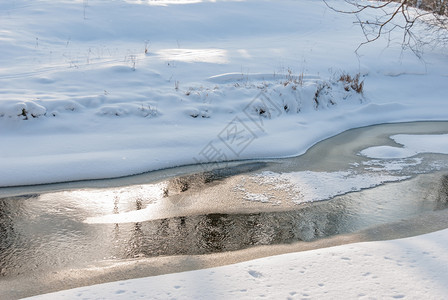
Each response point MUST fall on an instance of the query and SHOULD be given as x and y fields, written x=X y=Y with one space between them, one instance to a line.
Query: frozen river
x=66 y=235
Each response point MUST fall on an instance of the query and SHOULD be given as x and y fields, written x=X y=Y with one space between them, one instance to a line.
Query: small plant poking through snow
x=294 y=81
x=146 y=47
x=144 y=110
x=195 y=113
x=24 y=114
x=23 y=110
x=325 y=93
x=148 y=111
x=323 y=90
x=352 y=83
x=288 y=93
x=132 y=59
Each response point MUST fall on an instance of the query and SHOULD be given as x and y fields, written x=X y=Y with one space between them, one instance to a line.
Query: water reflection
x=228 y=232
x=136 y=241
x=47 y=232
x=7 y=233
x=197 y=181
x=36 y=236
x=442 y=194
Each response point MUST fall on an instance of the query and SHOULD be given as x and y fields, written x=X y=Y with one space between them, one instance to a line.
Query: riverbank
x=106 y=97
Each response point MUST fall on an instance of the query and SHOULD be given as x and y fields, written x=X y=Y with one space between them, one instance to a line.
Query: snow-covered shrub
x=323 y=95
x=35 y=110
x=342 y=87
x=352 y=83
x=23 y=110
x=281 y=94
x=128 y=109
x=198 y=113
x=148 y=111
x=69 y=105
x=112 y=110
x=265 y=106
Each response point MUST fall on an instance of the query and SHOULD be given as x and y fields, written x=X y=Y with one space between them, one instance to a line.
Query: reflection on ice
x=98 y=201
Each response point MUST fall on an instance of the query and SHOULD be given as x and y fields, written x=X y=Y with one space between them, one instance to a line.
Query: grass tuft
x=352 y=83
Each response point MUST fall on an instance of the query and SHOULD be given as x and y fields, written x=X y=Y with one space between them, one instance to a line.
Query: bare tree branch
x=401 y=15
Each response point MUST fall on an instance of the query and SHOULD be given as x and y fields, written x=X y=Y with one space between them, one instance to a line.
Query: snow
x=412 y=268
x=94 y=89
x=411 y=146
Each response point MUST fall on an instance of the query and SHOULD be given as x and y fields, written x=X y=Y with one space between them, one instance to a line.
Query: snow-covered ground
x=220 y=80
x=99 y=89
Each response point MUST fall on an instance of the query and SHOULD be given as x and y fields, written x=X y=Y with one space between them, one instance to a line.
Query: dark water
x=47 y=232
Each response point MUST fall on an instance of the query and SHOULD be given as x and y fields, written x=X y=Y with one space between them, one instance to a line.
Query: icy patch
x=387 y=152
x=390 y=166
x=119 y=205
x=412 y=145
x=309 y=186
x=264 y=198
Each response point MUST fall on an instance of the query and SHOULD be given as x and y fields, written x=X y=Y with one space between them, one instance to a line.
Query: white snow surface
x=410 y=268
x=100 y=89
x=412 y=145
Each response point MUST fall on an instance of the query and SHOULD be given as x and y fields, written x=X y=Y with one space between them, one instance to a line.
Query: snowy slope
x=220 y=80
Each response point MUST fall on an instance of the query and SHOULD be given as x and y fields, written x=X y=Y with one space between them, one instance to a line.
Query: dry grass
x=353 y=83
x=293 y=80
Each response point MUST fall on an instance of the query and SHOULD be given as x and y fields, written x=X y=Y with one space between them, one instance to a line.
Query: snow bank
x=98 y=89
